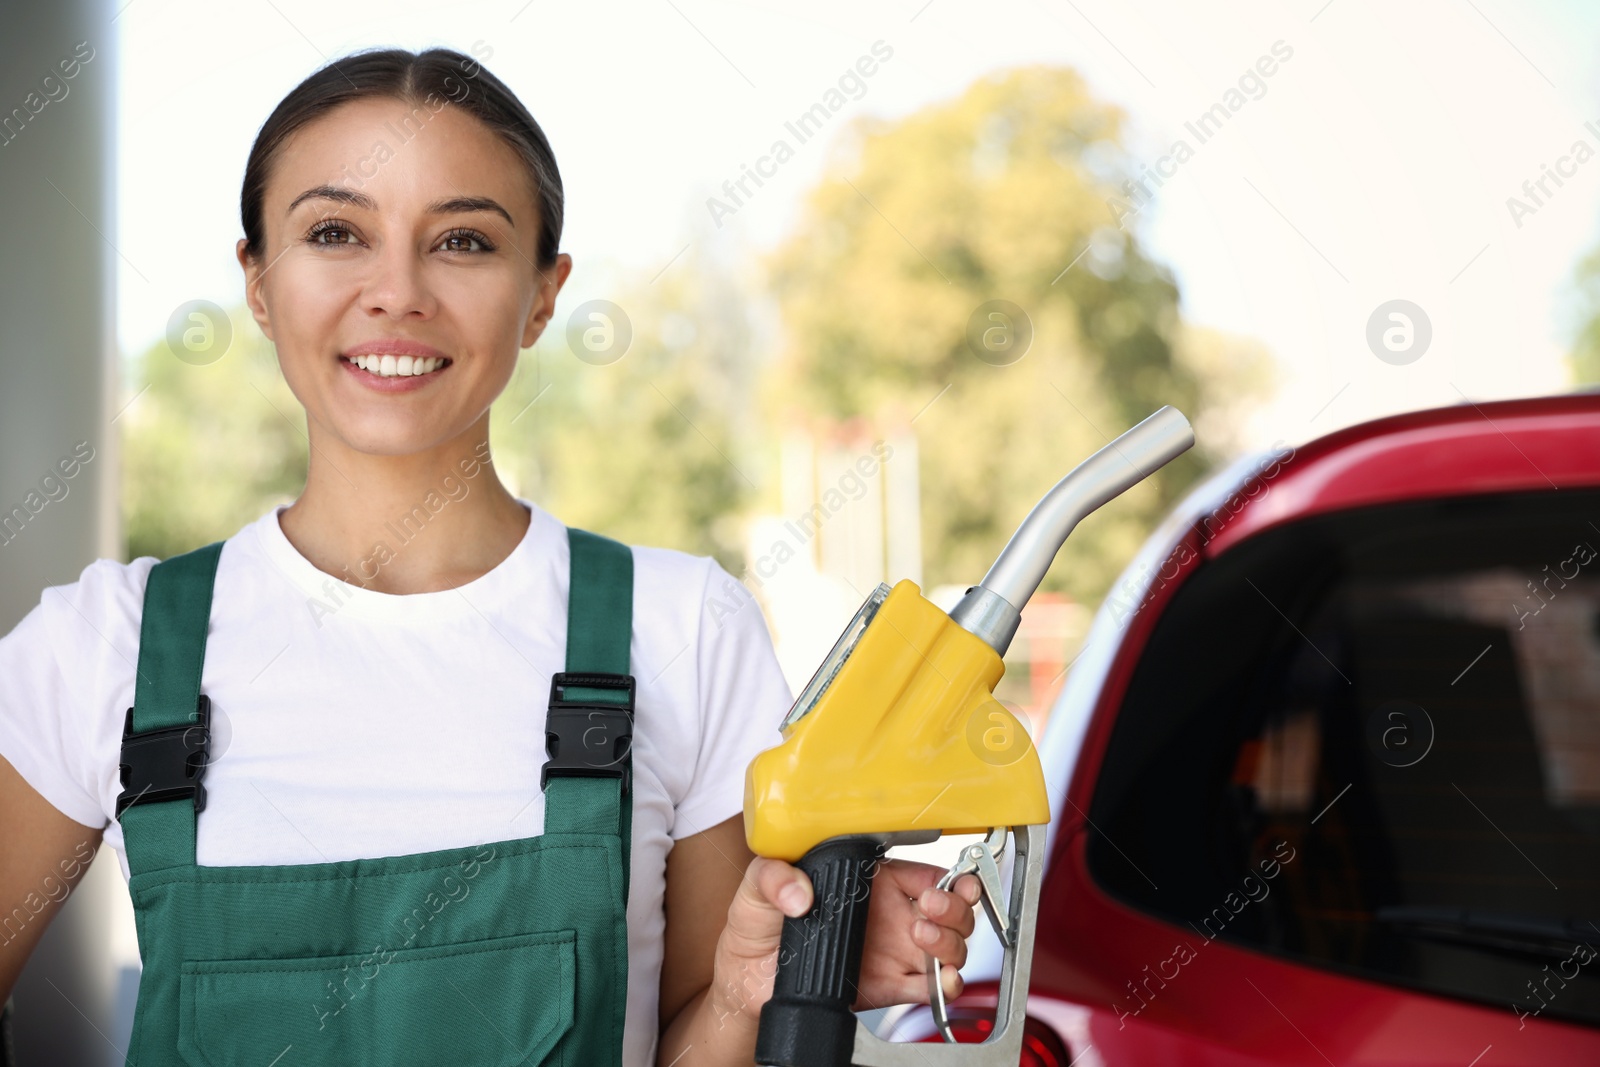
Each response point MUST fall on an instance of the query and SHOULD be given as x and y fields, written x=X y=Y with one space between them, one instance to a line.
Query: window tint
x=1371 y=741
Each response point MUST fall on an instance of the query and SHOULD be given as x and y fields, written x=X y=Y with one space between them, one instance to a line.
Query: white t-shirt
x=348 y=723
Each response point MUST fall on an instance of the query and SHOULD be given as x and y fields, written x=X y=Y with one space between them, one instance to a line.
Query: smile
x=391 y=366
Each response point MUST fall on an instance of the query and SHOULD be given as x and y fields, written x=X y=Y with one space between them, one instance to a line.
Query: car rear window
x=1370 y=742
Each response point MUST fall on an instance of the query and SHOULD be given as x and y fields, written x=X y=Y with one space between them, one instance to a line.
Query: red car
x=1325 y=780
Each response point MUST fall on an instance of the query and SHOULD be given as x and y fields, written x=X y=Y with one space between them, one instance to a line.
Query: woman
x=385 y=859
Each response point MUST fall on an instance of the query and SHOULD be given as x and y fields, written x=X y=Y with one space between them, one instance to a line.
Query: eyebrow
x=454 y=205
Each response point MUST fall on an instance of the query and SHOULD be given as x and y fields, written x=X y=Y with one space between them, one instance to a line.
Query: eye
x=335 y=226
x=459 y=240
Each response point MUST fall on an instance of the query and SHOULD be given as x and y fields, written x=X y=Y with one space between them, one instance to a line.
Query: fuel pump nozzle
x=993 y=608
x=898 y=739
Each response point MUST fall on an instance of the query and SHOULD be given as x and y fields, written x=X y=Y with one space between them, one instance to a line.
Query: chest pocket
x=490 y=1003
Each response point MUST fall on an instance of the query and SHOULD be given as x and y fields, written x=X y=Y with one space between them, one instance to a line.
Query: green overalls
x=509 y=952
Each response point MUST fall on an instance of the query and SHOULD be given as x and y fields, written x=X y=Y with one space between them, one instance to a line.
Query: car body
x=1325 y=777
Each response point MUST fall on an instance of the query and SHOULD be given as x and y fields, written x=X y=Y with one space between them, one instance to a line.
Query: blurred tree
x=919 y=223
x=660 y=445
x=207 y=449
x=1585 y=356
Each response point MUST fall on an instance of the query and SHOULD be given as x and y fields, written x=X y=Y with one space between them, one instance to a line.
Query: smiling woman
x=378 y=747
x=461 y=229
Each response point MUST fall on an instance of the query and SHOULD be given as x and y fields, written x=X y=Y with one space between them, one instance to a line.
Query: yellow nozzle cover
x=908 y=736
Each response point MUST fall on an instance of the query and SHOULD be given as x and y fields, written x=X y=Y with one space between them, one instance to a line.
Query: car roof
x=1467 y=449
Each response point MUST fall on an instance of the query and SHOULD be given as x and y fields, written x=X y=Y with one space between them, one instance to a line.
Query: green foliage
x=991 y=197
x=207 y=449
x=1585 y=358
x=659 y=447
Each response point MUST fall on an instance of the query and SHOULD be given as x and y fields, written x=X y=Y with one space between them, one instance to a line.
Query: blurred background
x=854 y=284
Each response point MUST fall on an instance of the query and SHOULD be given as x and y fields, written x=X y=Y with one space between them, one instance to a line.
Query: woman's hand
x=910 y=916
x=907 y=916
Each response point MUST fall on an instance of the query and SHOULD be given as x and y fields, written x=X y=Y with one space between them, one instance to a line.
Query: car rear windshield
x=1370 y=742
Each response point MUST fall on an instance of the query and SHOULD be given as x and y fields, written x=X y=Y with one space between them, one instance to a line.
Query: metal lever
x=978 y=859
x=1003 y=1046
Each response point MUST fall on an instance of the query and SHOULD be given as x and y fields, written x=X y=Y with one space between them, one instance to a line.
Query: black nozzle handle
x=808 y=1021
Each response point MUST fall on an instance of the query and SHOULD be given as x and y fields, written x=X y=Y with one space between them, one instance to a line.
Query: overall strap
x=165 y=734
x=588 y=779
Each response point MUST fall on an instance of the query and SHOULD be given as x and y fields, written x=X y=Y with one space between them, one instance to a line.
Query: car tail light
x=1040 y=1045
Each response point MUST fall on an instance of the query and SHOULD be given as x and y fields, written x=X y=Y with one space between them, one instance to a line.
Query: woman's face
x=393 y=230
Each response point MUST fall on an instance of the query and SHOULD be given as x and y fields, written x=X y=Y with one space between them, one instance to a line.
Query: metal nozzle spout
x=992 y=609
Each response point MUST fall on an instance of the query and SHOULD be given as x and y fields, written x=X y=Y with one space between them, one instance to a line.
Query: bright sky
x=1375 y=166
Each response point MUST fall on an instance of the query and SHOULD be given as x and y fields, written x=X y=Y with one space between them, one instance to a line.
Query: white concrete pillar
x=58 y=66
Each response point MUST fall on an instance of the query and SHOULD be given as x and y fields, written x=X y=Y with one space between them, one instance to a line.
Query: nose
x=398 y=282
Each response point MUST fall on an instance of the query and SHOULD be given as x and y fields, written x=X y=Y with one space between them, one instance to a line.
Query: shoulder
x=66 y=670
x=95 y=618
x=87 y=629
x=107 y=596
x=682 y=600
x=664 y=569
x=695 y=591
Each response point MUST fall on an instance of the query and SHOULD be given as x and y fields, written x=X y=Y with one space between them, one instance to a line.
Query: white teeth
x=389 y=366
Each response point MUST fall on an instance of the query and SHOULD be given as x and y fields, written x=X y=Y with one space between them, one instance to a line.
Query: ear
x=549 y=282
x=253 y=274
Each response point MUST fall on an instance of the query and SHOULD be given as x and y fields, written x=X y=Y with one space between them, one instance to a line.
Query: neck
x=416 y=523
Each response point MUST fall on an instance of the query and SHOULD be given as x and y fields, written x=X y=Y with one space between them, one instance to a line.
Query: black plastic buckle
x=588 y=738
x=166 y=763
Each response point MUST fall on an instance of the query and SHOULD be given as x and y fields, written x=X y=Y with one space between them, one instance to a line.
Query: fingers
x=938 y=920
x=910 y=876
x=950 y=980
x=913 y=988
x=941 y=941
x=783 y=885
x=769 y=890
x=949 y=919
x=952 y=907
x=920 y=882
x=913 y=919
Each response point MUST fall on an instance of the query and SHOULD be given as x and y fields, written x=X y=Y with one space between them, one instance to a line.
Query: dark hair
x=415 y=78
